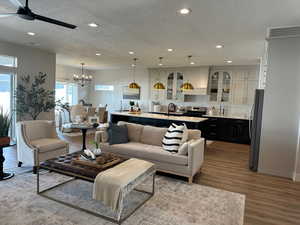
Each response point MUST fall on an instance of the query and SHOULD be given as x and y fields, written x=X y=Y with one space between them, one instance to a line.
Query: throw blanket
x=108 y=184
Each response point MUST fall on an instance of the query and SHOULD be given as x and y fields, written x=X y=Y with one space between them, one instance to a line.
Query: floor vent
x=284 y=32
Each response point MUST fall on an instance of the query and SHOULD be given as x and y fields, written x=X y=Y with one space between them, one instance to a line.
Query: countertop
x=163 y=117
x=227 y=116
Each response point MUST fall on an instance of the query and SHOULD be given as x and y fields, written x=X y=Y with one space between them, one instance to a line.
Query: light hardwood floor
x=269 y=200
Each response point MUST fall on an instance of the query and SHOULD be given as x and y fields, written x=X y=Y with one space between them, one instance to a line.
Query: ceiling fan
x=25 y=12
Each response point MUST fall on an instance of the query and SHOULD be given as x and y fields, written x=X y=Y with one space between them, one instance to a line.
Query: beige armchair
x=37 y=141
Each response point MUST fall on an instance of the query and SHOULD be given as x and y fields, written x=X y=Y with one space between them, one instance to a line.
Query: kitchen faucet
x=171 y=108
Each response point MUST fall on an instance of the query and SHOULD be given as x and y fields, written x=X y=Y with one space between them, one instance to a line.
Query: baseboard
x=277 y=173
x=296 y=177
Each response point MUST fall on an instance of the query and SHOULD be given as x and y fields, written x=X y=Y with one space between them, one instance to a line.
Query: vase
x=4 y=141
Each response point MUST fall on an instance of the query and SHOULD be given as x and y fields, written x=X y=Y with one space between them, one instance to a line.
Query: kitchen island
x=158 y=120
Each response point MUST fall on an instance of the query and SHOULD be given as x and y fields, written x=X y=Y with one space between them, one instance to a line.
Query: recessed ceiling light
x=170 y=50
x=192 y=63
x=98 y=54
x=219 y=46
x=131 y=52
x=93 y=25
x=160 y=64
x=184 y=11
x=228 y=61
x=31 y=33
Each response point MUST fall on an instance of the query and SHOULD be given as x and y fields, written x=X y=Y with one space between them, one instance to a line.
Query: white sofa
x=37 y=141
x=145 y=142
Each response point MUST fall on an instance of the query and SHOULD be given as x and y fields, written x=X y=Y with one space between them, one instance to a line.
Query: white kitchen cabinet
x=234 y=85
x=198 y=77
x=220 y=86
x=172 y=79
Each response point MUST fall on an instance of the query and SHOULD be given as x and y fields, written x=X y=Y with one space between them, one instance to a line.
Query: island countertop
x=162 y=117
x=227 y=116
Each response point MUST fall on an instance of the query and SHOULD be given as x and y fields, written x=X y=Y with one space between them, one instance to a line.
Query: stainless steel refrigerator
x=255 y=128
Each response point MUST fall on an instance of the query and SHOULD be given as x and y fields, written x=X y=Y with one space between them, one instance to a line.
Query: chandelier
x=82 y=79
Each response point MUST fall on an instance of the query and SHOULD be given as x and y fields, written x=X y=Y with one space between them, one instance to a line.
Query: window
x=8 y=61
x=66 y=92
x=99 y=87
x=7 y=88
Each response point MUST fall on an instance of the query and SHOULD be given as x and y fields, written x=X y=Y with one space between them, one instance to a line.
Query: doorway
x=8 y=65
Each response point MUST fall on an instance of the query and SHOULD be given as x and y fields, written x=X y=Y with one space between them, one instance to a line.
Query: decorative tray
x=101 y=162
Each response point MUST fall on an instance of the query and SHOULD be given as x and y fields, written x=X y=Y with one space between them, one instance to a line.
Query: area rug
x=174 y=203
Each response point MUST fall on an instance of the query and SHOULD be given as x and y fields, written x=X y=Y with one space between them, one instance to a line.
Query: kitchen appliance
x=255 y=122
x=196 y=111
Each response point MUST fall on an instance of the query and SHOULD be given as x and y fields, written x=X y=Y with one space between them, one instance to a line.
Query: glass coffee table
x=68 y=165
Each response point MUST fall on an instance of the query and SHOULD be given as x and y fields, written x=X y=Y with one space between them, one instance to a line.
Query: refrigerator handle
x=250 y=122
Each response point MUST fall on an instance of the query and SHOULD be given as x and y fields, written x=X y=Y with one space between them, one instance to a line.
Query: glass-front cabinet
x=174 y=83
x=219 y=86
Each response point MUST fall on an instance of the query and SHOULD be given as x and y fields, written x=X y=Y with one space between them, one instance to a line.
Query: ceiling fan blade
x=57 y=22
x=7 y=15
x=16 y=3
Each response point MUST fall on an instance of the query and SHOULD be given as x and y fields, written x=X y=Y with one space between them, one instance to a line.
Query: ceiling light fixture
x=170 y=50
x=219 y=46
x=93 y=25
x=31 y=33
x=160 y=61
x=190 y=60
x=131 y=53
x=228 y=61
x=82 y=79
x=159 y=85
x=185 y=11
x=98 y=54
x=187 y=86
x=134 y=85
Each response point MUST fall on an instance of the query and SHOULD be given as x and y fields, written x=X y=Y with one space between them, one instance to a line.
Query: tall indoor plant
x=32 y=98
x=5 y=121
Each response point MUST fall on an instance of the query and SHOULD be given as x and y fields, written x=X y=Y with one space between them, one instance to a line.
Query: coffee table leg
x=83 y=138
x=3 y=176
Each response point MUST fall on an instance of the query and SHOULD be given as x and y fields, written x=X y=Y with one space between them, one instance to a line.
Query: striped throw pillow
x=173 y=138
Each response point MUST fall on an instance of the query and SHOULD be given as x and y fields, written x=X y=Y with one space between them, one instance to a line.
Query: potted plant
x=5 y=121
x=32 y=98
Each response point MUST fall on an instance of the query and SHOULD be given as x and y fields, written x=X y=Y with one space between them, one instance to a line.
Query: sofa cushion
x=194 y=134
x=144 y=151
x=153 y=135
x=48 y=144
x=134 y=131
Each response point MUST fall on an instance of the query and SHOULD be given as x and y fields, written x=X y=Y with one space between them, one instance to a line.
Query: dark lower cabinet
x=223 y=129
x=154 y=121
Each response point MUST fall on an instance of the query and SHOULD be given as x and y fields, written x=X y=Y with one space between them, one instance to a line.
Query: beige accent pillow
x=153 y=135
x=134 y=130
x=183 y=149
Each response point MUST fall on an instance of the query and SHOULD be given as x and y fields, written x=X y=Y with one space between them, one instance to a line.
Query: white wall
x=119 y=78
x=31 y=61
x=65 y=74
x=281 y=113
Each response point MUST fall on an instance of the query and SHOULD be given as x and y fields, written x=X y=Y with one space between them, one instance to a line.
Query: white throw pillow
x=173 y=137
x=185 y=134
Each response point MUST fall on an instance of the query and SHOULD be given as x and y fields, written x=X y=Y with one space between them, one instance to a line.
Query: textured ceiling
x=149 y=28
